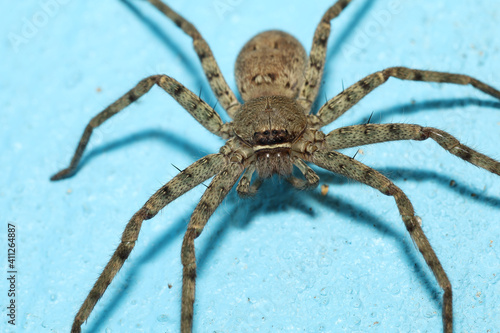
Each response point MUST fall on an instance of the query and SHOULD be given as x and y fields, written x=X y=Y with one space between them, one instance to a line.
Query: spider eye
x=275 y=132
x=266 y=132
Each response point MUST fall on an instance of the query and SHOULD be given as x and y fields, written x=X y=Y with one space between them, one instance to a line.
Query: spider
x=271 y=132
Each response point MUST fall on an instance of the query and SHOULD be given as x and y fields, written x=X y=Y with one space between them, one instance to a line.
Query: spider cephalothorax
x=273 y=131
x=270 y=126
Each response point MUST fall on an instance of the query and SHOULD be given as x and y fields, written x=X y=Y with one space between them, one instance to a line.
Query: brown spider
x=271 y=132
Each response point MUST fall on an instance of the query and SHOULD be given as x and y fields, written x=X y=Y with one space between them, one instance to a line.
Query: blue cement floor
x=284 y=261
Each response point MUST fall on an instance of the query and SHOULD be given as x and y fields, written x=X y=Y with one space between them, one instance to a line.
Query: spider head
x=270 y=125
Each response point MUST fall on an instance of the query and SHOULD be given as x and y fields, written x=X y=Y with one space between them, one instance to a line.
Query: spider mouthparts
x=271 y=161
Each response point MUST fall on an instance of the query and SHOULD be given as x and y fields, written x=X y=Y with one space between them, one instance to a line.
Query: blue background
x=284 y=260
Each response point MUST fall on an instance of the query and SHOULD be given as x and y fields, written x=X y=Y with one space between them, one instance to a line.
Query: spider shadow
x=398 y=174
x=398 y=233
x=432 y=105
x=446 y=182
x=349 y=29
x=172 y=47
x=282 y=197
x=170 y=140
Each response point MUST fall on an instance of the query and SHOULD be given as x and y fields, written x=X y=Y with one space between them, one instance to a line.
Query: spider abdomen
x=271 y=63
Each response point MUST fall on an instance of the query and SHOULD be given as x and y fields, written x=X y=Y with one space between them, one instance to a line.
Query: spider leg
x=351 y=168
x=336 y=106
x=219 y=86
x=311 y=178
x=211 y=199
x=244 y=188
x=198 y=108
x=314 y=72
x=187 y=179
x=357 y=135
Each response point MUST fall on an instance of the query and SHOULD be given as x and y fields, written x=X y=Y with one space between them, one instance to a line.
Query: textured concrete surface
x=285 y=260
